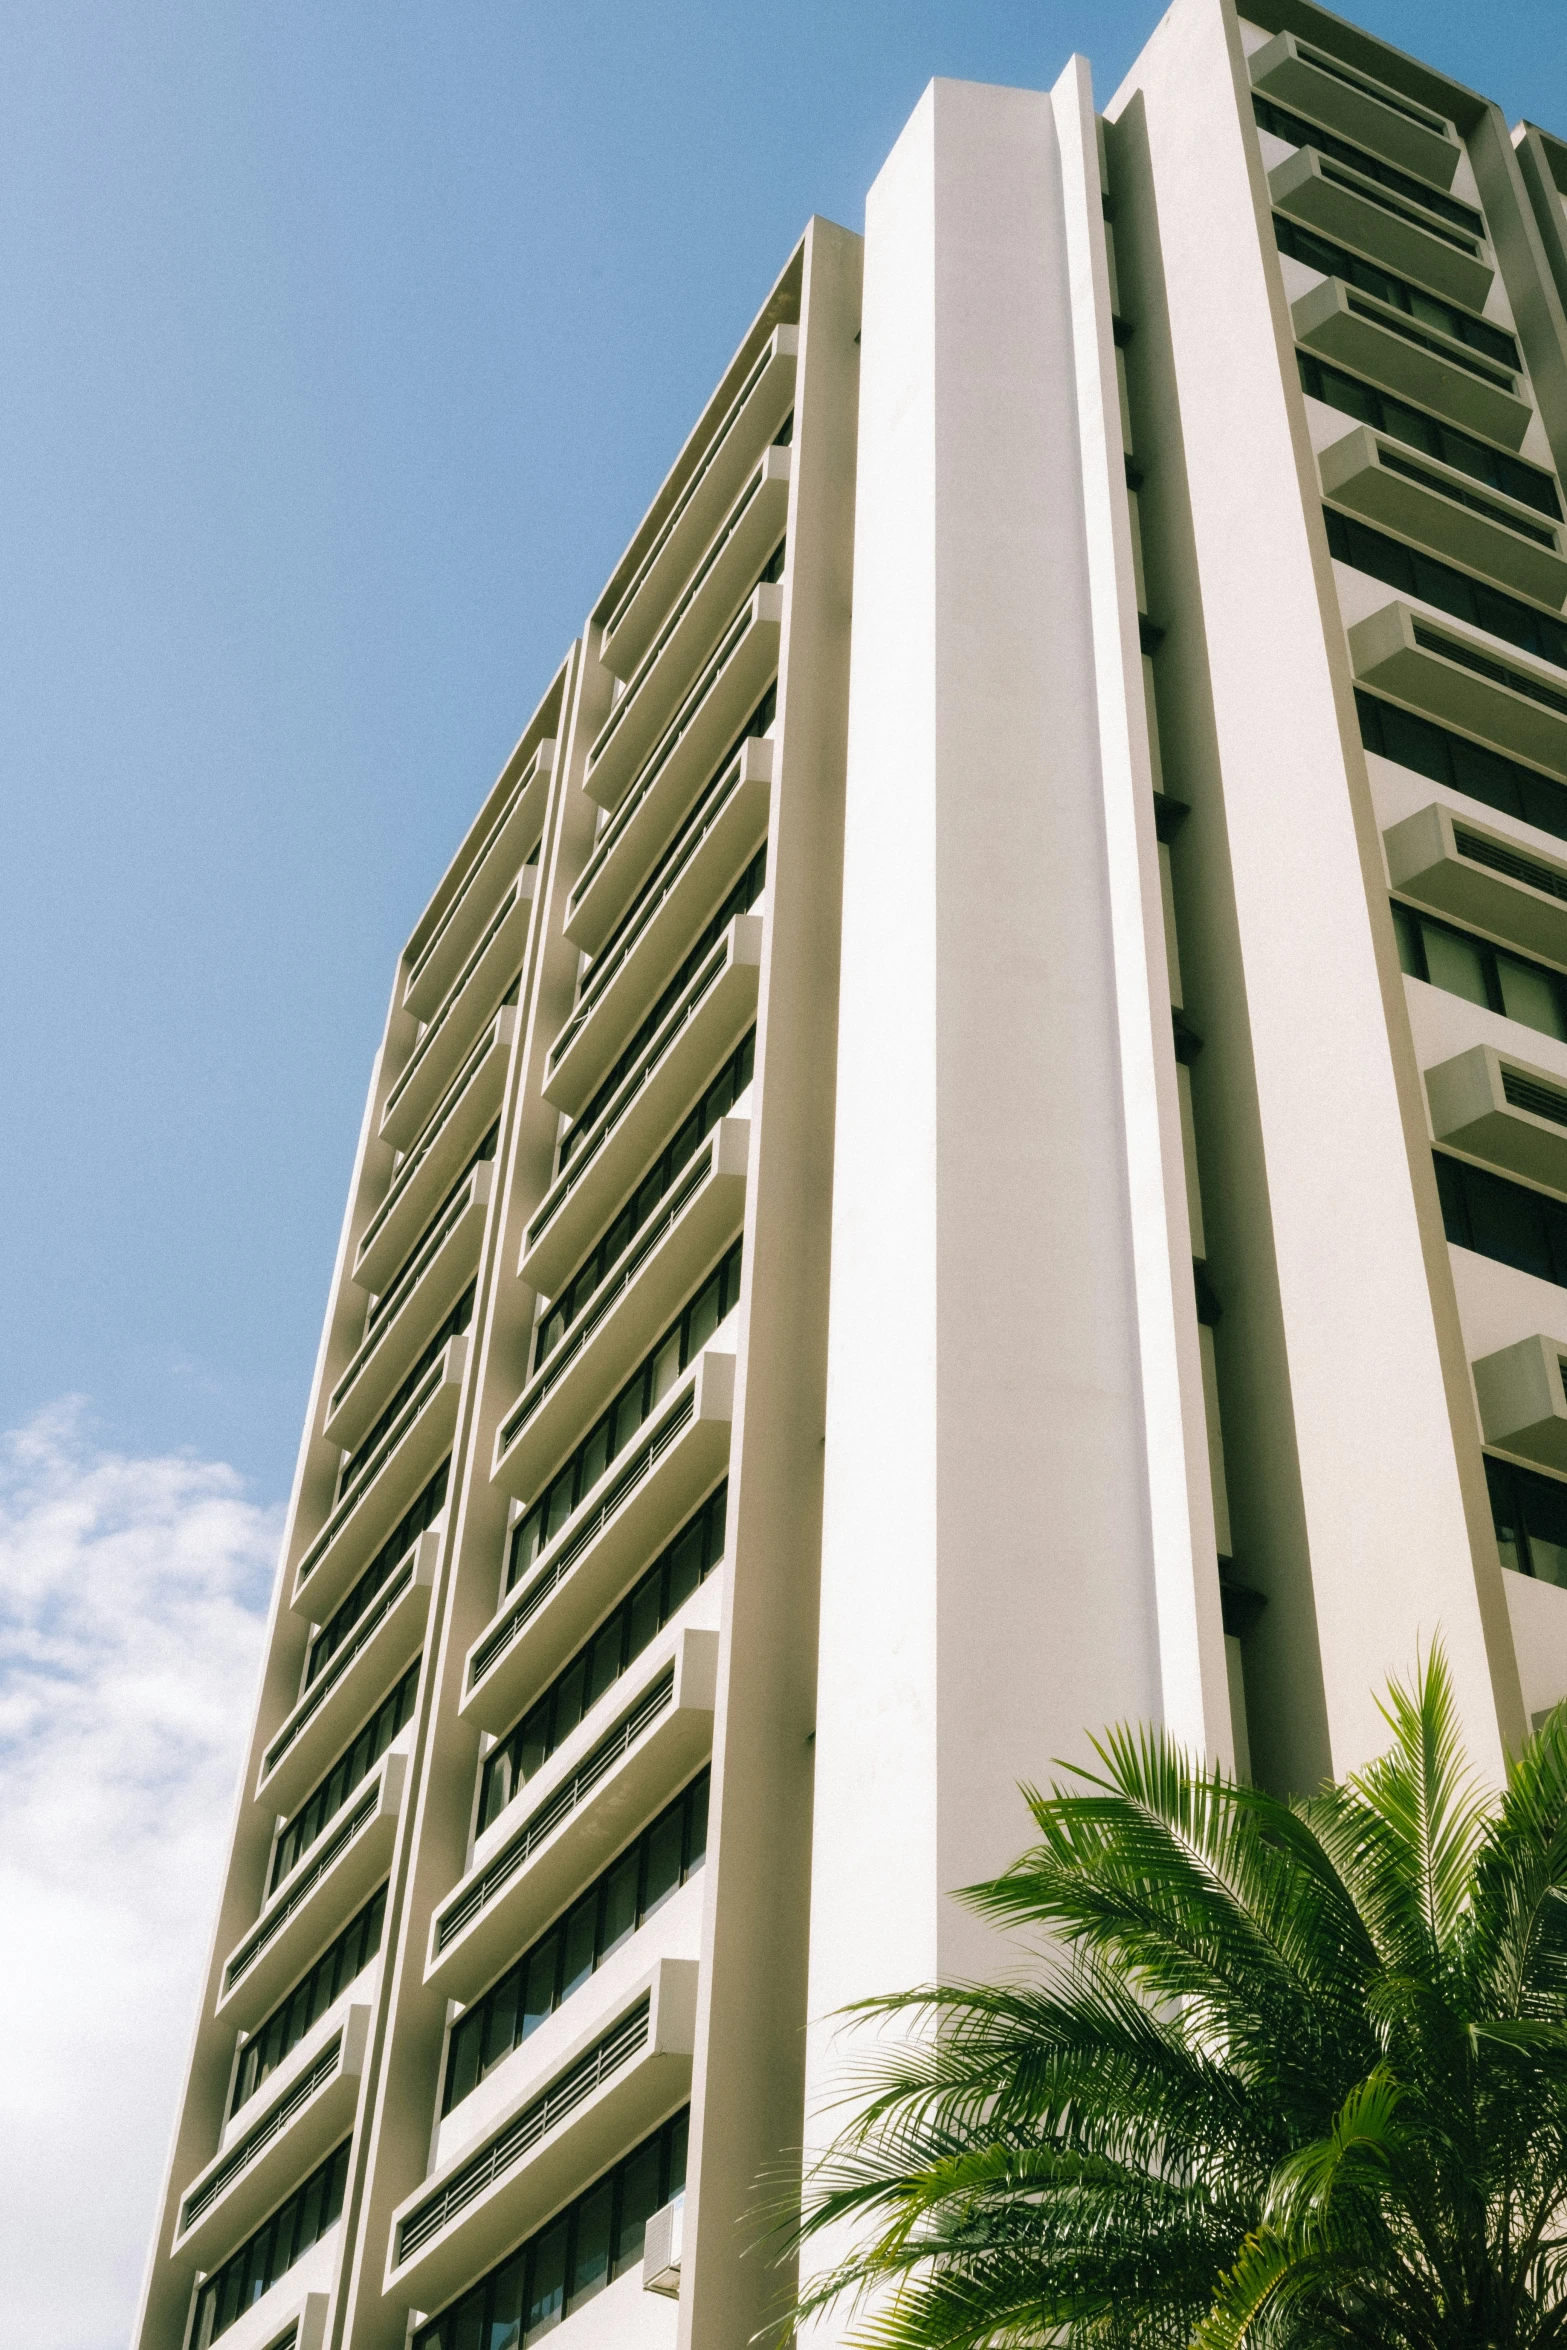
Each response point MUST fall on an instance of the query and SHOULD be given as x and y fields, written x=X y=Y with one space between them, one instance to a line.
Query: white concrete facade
x=974 y=1145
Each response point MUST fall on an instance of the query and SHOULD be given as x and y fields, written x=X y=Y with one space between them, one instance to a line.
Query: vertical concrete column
x=987 y=1592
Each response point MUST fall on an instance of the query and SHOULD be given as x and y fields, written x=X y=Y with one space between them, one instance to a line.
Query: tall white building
x=974 y=1144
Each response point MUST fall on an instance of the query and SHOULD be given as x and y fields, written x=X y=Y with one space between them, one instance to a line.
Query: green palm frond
x=1288 y=2076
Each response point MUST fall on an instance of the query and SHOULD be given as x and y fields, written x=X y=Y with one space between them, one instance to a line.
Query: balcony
x=585 y=1803
x=516 y=827
x=388 y=1636
x=404 y=1461
x=618 y=2085
x=1412 y=360
x=306 y=2117
x=704 y=731
x=1523 y=1409
x=416 y=1305
x=315 y=1901
x=1442 y=860
x=728 y=823
x=455 y=1131
x=636 y=1300
x=727 y=572
x=1385 y=227
x=1358 y=106
x=1460 y=678
x=495 y=957
x=1422 y=499
x=644 y=1496
x=757 y=410
x=1503 y=1111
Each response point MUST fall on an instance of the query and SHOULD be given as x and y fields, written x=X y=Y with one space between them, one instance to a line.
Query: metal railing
x=346 y=1504
x=420 y=1149
x=443 y=1012
x=256 y=2141
x=565 y=1800
x=534 y=2122
x=314 y=1699
x=513 y=798
x=273 y=1923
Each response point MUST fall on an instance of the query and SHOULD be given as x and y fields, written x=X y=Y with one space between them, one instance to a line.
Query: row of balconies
x=419 y=1251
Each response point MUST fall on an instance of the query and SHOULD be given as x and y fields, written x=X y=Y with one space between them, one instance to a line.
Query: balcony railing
x=496 y=1036
x=540 y=764
x=301 y=1886
x=562 y=2097
x=572 y=1791
x=316 y=1696
x=259 y=2139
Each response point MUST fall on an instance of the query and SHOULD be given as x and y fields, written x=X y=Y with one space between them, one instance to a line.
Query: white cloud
x=132 y=1596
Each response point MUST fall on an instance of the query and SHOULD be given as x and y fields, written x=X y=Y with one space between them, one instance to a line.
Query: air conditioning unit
x=661 y=2250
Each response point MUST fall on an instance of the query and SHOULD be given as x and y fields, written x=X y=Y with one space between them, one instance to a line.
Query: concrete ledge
x=1523 y=1409
x=600 y=1549
x=1327 y=195
x=455 y=1025
x=1440 y=508
x=436 y=966
x=1413 y=360
x=410 y=1452
x=315 y=1901
x=351 y=1685
x=1464 y=679
x=455 y=1133
x=518 y=1890
x=642 y=2090
x=579 y=1205
x=1481 y=1104
x=1444 y=861
x=758 y=408
x=1397 y=128
x=613 y=1003
x=292 y=2133
x=567 y=1395
x=447 y=1261
x=725 y=574
x=723 y=699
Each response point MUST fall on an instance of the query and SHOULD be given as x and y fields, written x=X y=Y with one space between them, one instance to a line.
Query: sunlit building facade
x=973 y=1144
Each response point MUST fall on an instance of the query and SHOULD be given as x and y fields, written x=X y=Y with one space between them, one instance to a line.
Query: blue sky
x=345 y=346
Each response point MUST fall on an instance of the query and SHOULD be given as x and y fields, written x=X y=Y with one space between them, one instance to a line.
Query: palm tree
x=1290 y=2073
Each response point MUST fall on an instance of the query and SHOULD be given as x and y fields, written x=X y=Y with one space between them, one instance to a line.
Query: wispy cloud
x=132 y=1593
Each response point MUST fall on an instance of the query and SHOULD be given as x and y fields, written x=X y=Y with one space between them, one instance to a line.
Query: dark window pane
x=581 y=1933
x=1506 y=1224
x=604 y=1657
x=685 y=1568
x=547 y=2279
x=696 y=1841
x=468 y=2332
x=590 y=2255
x=463 y=2065
x=500 y=2031
x=620 y=1901
x=570 y=1690
x=664 y=1854
x=1545 y=1522
x=646 y=1614
x=595 y=1457
x=677 y=2133
x=639 y=2199
x=539 y=1999
x=506 y=2304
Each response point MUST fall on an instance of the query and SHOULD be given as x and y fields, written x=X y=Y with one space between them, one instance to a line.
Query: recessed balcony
x=495 y=957
x=1358 y=106
x=646 y=1494
x=1422 y=499
x=456 y=1129
x=418 y=1302
x=1523 y=1409
x=388 y=1636
x=637 y=1299
x=725 y=573
x=387 y=1481
x=1363 y=214
x=705 y=731
x=315 y=1900
x=594 y=1794
x=728 y=823
x=516 y=829
x=1413 y=360
x=1443 y=860
x=304 y=2120
x=1503 y=1111
x=757 y=410
x=1460 y=678
x=710 y=1017
x=627 y=2073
